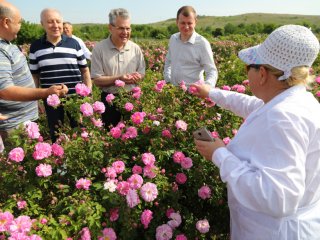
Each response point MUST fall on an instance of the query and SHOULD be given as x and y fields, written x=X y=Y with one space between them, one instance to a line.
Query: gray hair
x=44 y=11
x=5 y=11
x=118 y=12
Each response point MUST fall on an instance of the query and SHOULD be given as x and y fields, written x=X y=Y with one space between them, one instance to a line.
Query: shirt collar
x=112 y=46
x=191 y=40
x=4 y=41
x=44 y=39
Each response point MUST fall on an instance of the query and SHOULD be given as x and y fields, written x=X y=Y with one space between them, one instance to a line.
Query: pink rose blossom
x=115 y=132
x=5 y=221
x=225 y=87
x=128 y=106
x=53 y=100
x=123 y=188
x=245 y=82
x=16 y=154
x=192 y=90
x=97 y=122
x=183 y=86
x=119 y=166
x=110 y=97
x=132 y=132
x=166 y=133
x=57 y=150
x=169 y=211
x=215 y=134
x=178 y=157
x=146 y=218
x=82 y=90
x=149 y=171
x=83 y=183
x=119 y=83
x=111 y=172
x=34 y=237
x=86 y=109
x=149 y=192
x=43 y=221
x=21 y=204
x=33 y=131
x=98 y=107
x=318 y=94
x=85 y=234
x=164 y=232
x=136 y=92
x=136 y=169
x=138 y=117
x=176 y=220
x=181 y=125
x=148 y=159
x=181 y=178
x=135 y=181
x=42 y=150
x=186 y=163
x=44 y=170
x=109 y=234
x=204 y=192
x=181 y=237
x=132 y=198
x=317 y=80
x=21 y=224
x=159 y=85
x=121 y=125
x=203 y=226
x=84 y=134
x=226 y=140
x=159 y=110
x=114 y=214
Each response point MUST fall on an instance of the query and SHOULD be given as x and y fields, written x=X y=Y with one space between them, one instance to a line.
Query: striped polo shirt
x=57 y=64
x=14 y=71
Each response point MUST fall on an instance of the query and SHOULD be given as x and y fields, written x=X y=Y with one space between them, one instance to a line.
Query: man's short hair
x=186 y=11
x=118 y=12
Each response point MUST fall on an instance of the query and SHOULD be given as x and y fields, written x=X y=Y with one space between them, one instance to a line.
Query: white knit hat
x=286 y=47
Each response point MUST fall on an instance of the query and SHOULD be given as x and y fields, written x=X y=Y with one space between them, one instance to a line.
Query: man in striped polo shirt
x=57 y=59
x=17 y=90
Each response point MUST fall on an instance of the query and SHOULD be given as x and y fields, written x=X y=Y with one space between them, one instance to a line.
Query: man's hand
x=131 y=78
x=60 y=90
x=3 y=117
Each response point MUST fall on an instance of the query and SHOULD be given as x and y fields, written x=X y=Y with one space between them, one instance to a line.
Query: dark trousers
x=55 y=118
x=112 y=115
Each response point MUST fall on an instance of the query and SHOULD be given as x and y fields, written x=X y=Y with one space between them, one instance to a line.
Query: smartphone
x=203 y=134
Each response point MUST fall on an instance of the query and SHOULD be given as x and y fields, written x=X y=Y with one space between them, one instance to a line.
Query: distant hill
x=265 y=18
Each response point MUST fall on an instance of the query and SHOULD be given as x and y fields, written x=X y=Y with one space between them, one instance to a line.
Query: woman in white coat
x=272 y=165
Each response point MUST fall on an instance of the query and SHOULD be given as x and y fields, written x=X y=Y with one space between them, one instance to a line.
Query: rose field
x=143 y=179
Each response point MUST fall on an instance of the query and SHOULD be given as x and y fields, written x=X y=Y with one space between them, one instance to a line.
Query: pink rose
x=138 y=117
x=21 y=204
x=82 y=90
x=86 y=109
x=119 y=83
x=204 y=192
x=186 y=163
x=181 y=178
x=109 y=98
x=33 y=131
x=203 y=226
x=57 y=150
x=132 y=198
x=128 y=107
x=149 y=192
x=178 y=157
x=44 y=170
x=98 y=107
x=164 y=232
x=146 y=218
x=119 y=166
x=148 y=159
x=181 y=125
x=108 y=233
x=166 y=133
x=16 y=154
x=53 y=100
x=83 y=183
x=42 y=150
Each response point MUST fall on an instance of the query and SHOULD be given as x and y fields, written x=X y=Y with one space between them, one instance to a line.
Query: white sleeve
x=208 y=65
x=240 y=104
x=272 y=180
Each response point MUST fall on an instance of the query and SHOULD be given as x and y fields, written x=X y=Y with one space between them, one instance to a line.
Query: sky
x=148 y=11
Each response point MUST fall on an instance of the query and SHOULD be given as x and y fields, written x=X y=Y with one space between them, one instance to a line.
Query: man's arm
x=167 y=67
x=209 y=65
x=86 y=77
x=16 y=93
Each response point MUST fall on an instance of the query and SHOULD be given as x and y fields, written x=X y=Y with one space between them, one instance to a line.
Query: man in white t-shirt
x=67 y=30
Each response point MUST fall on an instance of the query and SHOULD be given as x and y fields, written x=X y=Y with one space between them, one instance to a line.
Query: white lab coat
x=272 y=166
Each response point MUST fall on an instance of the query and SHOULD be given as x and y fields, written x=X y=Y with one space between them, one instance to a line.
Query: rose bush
x=142 y=179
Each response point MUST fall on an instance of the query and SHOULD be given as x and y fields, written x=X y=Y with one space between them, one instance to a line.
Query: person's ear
x=263 y=72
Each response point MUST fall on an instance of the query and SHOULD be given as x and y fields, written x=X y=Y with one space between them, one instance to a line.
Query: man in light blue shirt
x=189 y=54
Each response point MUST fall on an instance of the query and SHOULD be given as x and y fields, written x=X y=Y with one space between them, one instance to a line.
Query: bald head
x=10 y=21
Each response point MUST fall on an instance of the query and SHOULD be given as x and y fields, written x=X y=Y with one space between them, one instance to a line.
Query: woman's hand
x=206 y=148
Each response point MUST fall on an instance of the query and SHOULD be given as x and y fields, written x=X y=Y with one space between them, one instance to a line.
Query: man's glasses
x=255 y=66
x=122 y=29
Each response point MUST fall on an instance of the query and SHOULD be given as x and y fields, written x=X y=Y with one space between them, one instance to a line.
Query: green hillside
x=265 y=18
